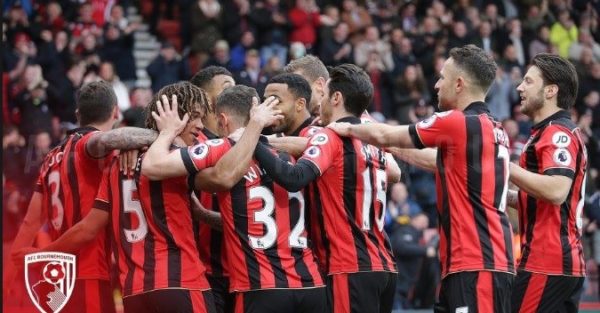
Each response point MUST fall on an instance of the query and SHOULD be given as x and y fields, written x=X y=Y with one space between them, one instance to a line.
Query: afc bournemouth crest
x=50 y=278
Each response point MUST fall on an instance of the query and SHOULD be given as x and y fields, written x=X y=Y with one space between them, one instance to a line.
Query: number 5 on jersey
x=131 y=204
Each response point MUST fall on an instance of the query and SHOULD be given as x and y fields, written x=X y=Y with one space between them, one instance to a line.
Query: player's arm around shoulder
x=101 y=143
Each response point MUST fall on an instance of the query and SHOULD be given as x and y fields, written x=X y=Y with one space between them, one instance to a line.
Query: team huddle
x=226 y=203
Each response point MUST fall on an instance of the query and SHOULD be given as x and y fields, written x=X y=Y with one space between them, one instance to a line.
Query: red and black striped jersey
x=471 y=184
x=68 y=182
x=551 y=234
x=211 y=245
x=263 y=225
x=153 y=232
x=349 y=202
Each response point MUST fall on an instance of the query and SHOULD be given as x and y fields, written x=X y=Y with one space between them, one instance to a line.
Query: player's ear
x=116 y=112
x=300 y=104
x=459 y=84
x=550 y=91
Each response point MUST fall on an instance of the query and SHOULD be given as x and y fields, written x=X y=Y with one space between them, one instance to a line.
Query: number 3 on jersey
x=265 y=216
x=132 y=205
x=58 y=211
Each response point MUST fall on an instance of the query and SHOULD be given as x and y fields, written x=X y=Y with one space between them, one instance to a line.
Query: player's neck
x=298 y=122
x=464 y=101
x=543 y=113
x=106 y=126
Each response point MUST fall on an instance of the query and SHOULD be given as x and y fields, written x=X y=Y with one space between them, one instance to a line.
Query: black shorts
x=224 y=300
x=483 y=291
x=170 y=301
x=91 y=296
x=365 y=292
x=535 y=292
x=307 y=300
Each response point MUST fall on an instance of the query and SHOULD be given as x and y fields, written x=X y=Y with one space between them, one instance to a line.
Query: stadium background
x=51 y=48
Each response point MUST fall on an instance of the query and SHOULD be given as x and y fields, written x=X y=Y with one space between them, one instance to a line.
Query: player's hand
x=342 y=129
x=167 y=118
x=265 y=113
x=18 y=256
x=128 y=161
x=237 y=134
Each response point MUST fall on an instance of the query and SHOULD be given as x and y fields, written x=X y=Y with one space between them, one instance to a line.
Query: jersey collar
x=304 y=124
x=477 y=107
x=558 y=115
x=82 y=130
x=350 y=119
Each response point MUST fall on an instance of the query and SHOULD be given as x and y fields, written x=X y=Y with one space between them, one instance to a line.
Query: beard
x=533 y=104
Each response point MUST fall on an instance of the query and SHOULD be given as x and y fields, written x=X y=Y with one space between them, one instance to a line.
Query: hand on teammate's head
x=265 y=114
x=167 y=118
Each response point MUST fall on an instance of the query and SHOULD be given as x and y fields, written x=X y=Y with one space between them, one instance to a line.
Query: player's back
x=154 y=234
x=350 y=201
x=471 y=184
x=68 y=182
x=264 y=228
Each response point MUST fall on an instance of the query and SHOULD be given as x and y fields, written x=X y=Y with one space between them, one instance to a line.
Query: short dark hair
x=95 y=102
x=190 y=99
x=479 y=65
x=311 y=67
x=558 y=71
x=355 y=86
x=237 y=100
x=296 y=84
x=204 y=77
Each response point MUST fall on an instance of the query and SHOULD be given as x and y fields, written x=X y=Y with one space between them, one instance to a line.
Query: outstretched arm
x=377 y=134
x=125 y=138
x=291 y=177
x=422 y=158
x=292 y=145
x=551 y=188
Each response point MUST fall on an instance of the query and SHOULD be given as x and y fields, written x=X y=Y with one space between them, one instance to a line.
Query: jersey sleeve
x=437 y=130
x=102 y=201
x=557 y=151
x=203 y=155
x=322 y=148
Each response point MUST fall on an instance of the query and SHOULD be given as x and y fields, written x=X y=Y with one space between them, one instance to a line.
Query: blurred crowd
x=51 y=48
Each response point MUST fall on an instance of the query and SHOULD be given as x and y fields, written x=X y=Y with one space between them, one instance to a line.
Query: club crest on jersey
x=50 y=278
x=562 y=157
x=215 y=142
x=313 y=152
x=319 y=139
x=561 y=140
x=199 y=151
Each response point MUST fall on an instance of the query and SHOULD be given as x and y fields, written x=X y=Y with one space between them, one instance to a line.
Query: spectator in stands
x=135 y=116
x=53 y=19
x=337 y=50
x=118 y=49
x=373 y=43
x=585 y=41
x=40 y=145
x=409 y=89
x=305 y=20
x=220 y=56
x=272 y=25
x=206 y=22
x=236 y=20
x=107 y=73
x=167 y=68
x=514 y=38
x=459 y=36
x=13 y=153
x=326 y=31
x=85 y=22
x=238 y=52
x=356 y=17
x=563 y=33
x=411 y=249
x=400 y=208
x=252 y=75
x=541 y=43
x=408 y=19
x=485 y=40
x=32 y=102
x=501 y=95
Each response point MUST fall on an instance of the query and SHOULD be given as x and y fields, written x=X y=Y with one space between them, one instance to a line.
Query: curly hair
x=191 y=100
